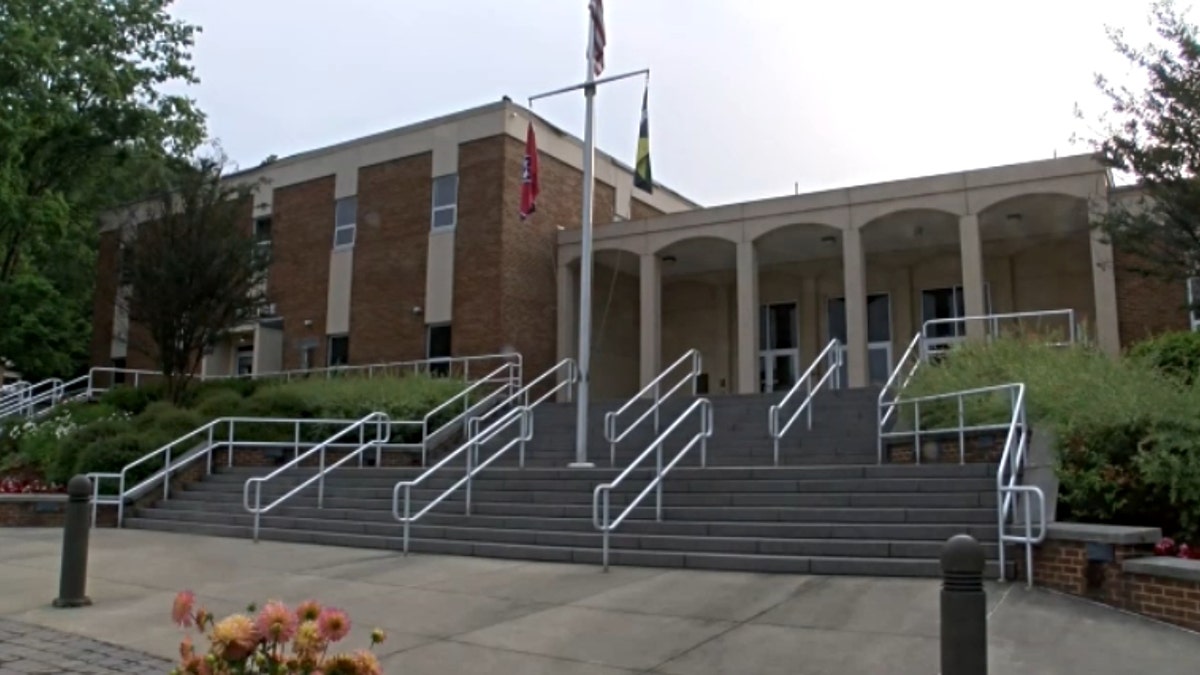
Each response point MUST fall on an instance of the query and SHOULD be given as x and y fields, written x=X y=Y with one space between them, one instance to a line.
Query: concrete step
x=866 y=548
x=640 y=521
x=834 y=565
x=775 y=499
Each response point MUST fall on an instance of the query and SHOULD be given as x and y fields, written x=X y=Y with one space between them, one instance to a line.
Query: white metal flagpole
x=585 y=257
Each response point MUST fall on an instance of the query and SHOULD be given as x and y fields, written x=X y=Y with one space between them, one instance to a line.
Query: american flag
x=596 y=8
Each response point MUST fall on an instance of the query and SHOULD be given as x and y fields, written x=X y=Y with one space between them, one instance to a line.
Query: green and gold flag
x=642 y=178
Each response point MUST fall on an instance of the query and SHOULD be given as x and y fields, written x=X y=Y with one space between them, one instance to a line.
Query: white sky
x=747 y=97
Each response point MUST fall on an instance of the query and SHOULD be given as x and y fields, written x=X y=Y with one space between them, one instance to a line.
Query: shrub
x=132 y=400
x=1174 y=354
x=68 y=460
x=404 y=398
x=112 y=453
x=1127 y=436
x=221 y=403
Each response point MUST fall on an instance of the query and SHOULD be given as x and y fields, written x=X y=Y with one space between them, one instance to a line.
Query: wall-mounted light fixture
x=668 y=259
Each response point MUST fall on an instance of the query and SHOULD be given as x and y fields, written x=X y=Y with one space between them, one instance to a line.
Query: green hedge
x=1174 y=354
x=1127 y=435
x=128 y=423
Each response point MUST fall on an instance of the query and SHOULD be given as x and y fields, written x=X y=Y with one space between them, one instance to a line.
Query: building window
x=119 y=364
x=445 y=201
x=437 y=346
x=345 y=214
x=245 y=359
x=262 y=230
x=1193 y=296
x=339 y=350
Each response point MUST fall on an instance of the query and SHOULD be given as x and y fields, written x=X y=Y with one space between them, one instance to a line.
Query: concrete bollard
x=72 y=585
x=964 y=608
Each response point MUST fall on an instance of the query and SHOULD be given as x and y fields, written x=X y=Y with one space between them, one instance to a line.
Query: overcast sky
x=747 y=97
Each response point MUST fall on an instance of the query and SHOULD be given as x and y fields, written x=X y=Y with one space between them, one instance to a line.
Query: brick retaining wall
x=1116 y=565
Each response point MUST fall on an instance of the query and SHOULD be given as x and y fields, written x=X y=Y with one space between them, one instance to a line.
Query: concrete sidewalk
x=451 y=614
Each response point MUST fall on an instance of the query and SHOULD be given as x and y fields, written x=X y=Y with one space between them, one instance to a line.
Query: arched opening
x=697 y=308
x=799 y=272
x=913 y=274
x=1036 y=251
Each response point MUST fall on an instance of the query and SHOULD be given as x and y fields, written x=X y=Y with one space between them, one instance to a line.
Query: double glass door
x=778 y=346
x=879 y=335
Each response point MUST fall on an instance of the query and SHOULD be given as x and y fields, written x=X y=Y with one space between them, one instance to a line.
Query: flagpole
x=585 y=259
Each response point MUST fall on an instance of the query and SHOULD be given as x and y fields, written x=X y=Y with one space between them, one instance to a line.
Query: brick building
x=407 y=244
x=404 y=245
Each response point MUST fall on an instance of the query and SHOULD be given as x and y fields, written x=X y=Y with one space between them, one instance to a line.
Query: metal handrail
x=832 y=354
x=521 y=414
x=508 y=374
x=1009 y=489
x=383 y=432
x=961 y=428
x=14 y=403
x=57 y=391
x=214 y=441
x=415 y=366
x=21 y=390
x=704 y=406
x=522 y=394
x=610 y=418
x=918 y=346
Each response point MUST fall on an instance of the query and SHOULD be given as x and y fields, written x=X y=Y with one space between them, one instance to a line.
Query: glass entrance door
x=879 y=335
x=778 y=346
x=947 y=303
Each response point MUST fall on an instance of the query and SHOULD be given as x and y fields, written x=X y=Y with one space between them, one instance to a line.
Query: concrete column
x=971 y=248
x=854 y=269
x=650 y=310
x=747 y=318
x=811 y=340
x=1104 y=286
x=567 y=319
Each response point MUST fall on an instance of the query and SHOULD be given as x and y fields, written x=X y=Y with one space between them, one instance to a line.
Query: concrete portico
x=759 y=288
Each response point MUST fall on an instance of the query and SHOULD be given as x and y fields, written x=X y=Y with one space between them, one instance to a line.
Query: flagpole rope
x=612 y=289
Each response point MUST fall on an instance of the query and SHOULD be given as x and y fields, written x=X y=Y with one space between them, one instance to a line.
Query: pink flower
x=334 y=624
x=309 y=610
x=234 y=637
x=276 y=622
x=181 y=611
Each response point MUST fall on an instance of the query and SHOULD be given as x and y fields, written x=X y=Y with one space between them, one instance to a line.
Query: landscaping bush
x=105 y=436
x=132 y=400
x=1174 y=354
x=67 y=461
x=1127 y=437
x=221 y=403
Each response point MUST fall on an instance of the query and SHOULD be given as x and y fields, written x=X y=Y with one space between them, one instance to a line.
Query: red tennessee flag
x=529 y=175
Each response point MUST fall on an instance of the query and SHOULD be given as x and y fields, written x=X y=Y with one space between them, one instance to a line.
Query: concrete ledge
x=1161 y=566
x=25 y=497
x=1121 y=535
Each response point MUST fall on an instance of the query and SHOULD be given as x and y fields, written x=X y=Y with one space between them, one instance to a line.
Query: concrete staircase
x=828 y=509
x=843 y=431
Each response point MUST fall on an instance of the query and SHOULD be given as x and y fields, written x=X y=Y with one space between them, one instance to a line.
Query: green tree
x=192 y=267
x=84 y=124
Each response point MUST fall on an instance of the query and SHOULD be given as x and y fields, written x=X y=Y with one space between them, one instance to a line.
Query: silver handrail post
x=605 y=530
x=658 y=467
x=470 y=472
x=917 y=432
x=167 y=476
x=257 y=507
x=962 y=433
x=231 y=446
x=321 y=480
x=208 y=470
x=407 y=514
